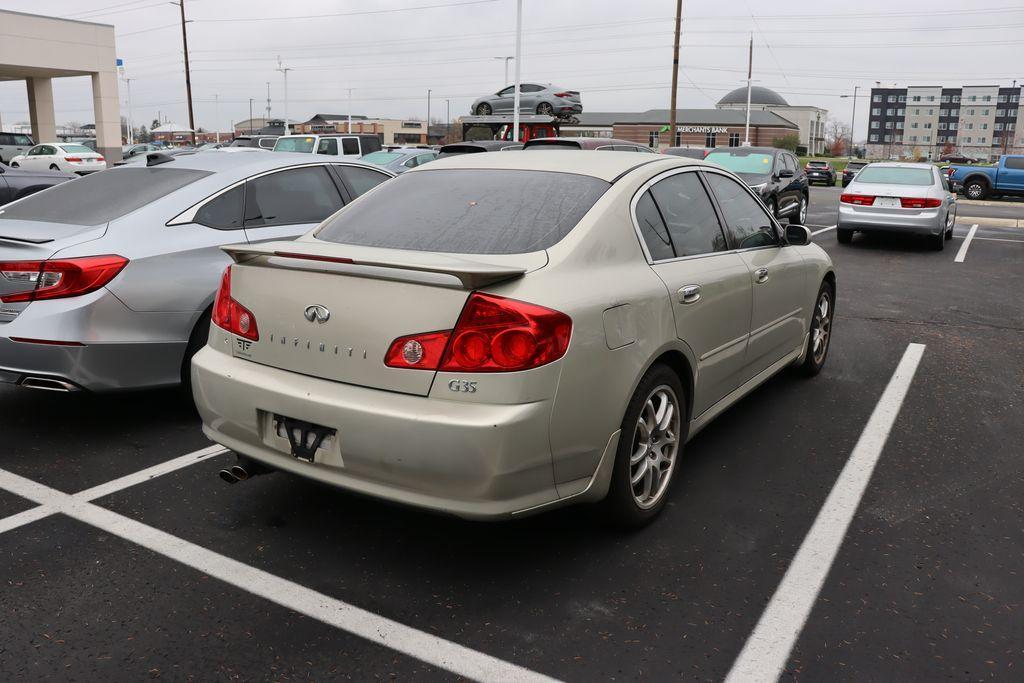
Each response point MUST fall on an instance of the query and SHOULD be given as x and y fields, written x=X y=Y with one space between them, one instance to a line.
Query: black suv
x=774 y=174
x=820 y=172
x=851 y=170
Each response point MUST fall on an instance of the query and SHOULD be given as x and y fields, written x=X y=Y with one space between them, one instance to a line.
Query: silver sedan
x=107 y=282
x=898 y=197
x=534 y=98
x=497 y=334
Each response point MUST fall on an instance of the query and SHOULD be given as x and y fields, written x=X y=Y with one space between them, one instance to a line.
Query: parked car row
x=451 y=308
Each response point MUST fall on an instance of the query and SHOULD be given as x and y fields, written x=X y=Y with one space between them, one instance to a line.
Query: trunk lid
x=35 y=241
x=372 y=297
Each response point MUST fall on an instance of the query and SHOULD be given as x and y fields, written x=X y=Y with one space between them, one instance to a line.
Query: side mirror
x=786 y=173
x=798 y=235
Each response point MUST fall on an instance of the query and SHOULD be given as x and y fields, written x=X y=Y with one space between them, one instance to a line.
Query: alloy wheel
x=483 y=110
x=655 y=446
x=803 y=211
x=821 y=327
x=545 y=109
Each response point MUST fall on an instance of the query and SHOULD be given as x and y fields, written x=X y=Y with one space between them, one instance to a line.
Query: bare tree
x=837 y=136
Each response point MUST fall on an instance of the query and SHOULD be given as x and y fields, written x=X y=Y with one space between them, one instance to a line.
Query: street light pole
x=853 y=119
x=284 y=70
x=675 y=77
x=250 y=116
x=426 y=138
x=447 y=121
x=128 y=83
x=505 y=82
x=519 y=61
x=188 y=76
x=216 y=116
x=750 y=77
x=350 y=110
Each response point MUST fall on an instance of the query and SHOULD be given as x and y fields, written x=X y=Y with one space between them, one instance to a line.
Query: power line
x=235 y=20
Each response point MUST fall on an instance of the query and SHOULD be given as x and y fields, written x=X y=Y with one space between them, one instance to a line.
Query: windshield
x=101 y=197
x=738 y=162
x=79 y=149
x=303 y=144
x=468 y=211
x=382 y=157
x=819 y=164
x=895 y=175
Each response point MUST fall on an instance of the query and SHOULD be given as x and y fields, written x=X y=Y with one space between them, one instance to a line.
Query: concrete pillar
x=40 y=109
x=107 y=115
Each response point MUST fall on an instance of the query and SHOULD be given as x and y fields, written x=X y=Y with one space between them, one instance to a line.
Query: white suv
x=354 y=145
x=13 y=144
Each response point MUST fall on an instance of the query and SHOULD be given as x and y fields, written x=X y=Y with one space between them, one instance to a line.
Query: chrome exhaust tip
x=239 y=473
x=228 y=476
x=48 y=384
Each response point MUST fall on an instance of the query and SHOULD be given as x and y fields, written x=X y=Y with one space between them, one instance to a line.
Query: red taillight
x=100 y=158
x=564 y=94
x=916 y=203
x=230 y=315
x=72 y=158
x=60 y=278
x=493 y=334
x=950 y=172
x=858 y=199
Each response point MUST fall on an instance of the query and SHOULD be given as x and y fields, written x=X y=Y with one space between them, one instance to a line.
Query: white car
x=60 y=156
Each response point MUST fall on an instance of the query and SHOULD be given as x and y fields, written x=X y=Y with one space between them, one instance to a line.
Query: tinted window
x=747 y=221
x=303 y=144
x=6 y=139
x=76 y=149
x=653 y=229
x=301 y=195
x=689 y=215
x=267 y=143
x=425 y=158
x=507 y=91
x=361 y=180
x=789 y=162
x=381 y=157
x=224 y=212
x=1015 y=162
x=527 y=87
x=22 y=140
x=350 y=146
x=327 y=146
x=480 y=211
x=742 y=162
x=896 y=175
x=101 y=197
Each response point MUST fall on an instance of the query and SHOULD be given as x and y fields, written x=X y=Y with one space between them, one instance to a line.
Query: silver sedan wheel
x=822 y=327
x=803 y=211
x=655 y=446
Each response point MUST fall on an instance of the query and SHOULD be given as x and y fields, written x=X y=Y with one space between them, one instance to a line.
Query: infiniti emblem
x=317 y=313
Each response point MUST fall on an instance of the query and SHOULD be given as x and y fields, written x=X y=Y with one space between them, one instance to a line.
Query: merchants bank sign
x=703 y=129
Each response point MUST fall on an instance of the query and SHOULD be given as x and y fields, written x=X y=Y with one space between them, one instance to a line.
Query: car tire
x=976 y=189
x=545 y=109
x=196 y=341
x=819 y=340
x=952 y=224
x=483 y=109
x=773 y=208
x=844 y=236
x=801 y=212
x=625 y=505
x=938 y=242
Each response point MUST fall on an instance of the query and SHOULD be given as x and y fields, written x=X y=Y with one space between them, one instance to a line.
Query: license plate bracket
x=888 y=202
x=304 y=438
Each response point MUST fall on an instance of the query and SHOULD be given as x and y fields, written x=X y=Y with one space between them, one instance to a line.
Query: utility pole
x=853 y=119
x=447 y=121
x=750 y=80
x=284 y=70
x=519 y=61
x=350 y=110
x=188 y=75
x=426 y=138
x=268 y=101
x=250 y=116
x=216 y=116
x=675 y=77
x=131 y=137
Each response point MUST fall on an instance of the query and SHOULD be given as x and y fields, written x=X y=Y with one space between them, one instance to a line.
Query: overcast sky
x=618 y=54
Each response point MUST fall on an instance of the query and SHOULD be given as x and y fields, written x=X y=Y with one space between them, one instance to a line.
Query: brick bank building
x=694 y=127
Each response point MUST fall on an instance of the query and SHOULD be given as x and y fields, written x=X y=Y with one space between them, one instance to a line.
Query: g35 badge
x=463 y=386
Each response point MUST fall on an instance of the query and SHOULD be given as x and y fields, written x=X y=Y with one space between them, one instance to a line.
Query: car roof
x=604 y=165
x=901 y=164
x=748 y=150
x=583 y=142
x=215 y=161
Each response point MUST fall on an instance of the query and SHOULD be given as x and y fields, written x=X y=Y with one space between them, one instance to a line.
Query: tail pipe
x=245 y=468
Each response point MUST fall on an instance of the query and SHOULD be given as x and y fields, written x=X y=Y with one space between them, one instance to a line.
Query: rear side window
x=1015 y=162
x=361 y=180
x=267 y=143
x=224 y=212
x=102 y=197
x=327 y=146
x=480 y=211
x=22 y=140
x=350 y=146
x=300 y=195
x=747 y=221
x=687 y=210
x=652 y=229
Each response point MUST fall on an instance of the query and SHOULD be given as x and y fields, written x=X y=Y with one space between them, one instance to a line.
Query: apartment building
x=929 y=121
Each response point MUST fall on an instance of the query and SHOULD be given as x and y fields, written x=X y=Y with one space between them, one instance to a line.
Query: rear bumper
x=473 y=460
x=924 y=222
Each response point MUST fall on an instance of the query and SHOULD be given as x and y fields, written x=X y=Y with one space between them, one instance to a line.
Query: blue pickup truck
x=979 y=182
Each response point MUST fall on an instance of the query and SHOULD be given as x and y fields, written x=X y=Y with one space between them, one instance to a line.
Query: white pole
x=750 y=76
x=506 y=69
x=216 y=116
x=519 y=47
x=284 y=70
x=131 y=138
x=350 y=110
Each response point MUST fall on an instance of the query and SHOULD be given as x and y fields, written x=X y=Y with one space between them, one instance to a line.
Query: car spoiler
x=471 y=274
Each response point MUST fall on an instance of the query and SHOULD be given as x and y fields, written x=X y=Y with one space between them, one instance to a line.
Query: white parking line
x=421 y=645
x=149 y=473
x=768 y=648
x=960 y=255
x=818 y=232
x=989 y=239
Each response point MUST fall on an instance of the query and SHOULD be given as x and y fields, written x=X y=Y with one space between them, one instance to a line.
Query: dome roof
x=758 y=95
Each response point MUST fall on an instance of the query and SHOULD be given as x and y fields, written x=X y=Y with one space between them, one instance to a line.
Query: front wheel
x=801 y=213
x=976 y=189
x=545 y=109
x=650 y=444
x=483 y=109
x=821 y=331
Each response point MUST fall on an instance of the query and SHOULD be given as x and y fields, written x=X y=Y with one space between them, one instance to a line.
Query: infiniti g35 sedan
x=497 y=334
x=107 y=282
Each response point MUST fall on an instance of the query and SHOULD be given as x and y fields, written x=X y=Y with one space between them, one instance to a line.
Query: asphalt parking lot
x=172 y=573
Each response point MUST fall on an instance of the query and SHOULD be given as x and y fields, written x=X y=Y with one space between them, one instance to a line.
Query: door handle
x=761 y=275
x=690 y=294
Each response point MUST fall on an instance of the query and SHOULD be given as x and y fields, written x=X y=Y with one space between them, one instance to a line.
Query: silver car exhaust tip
x=48 y=384
x=228 y=476
x=239 y=473
x=245 y=468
